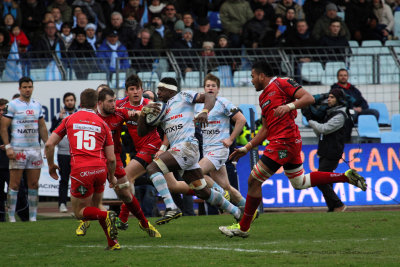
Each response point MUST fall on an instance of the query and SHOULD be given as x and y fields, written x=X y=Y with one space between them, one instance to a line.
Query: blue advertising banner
x=378 y=163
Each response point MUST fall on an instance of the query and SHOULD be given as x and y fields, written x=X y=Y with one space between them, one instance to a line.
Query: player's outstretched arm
x=49 y=152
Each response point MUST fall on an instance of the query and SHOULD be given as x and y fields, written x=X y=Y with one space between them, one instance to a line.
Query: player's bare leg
x=175 y=186
x=13 y=187
x=123 y=191
x=134 y=170
x=83 y=211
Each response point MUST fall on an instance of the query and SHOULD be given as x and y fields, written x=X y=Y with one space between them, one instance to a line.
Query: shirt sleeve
x=188 y=96
x=10 y=110
x=61 y=130
x=290 y=86
x=109 y=139
x=40 y=111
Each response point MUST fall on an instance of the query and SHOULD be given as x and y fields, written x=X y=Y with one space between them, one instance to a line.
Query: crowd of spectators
x=114 y=25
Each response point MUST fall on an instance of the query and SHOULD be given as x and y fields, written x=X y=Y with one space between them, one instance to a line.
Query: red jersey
x=88 y=135
x=278 y=92
x=115 y=122
x=151 y=138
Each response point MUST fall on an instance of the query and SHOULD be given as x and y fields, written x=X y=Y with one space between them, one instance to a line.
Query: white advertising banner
x=50 y=95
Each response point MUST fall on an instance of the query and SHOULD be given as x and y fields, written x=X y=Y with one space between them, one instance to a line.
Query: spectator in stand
x=321 y=27
x=357 y=15
x=313 y=10
x=126 y=35
x=4 y=48
x=91 y=36
x=284 y=5
x=142 y=51
x=178 y=29
x=11 y=7
x=75 y=12
x=66 y=34
x=301 y=37
x=63 y=6
x=359 y=104
x=55 y=11
x=82 y=56
x=9 y=21
x=209 y=53
x=33 y=12
x=290 y=21
x=108 y=7
x=373 y=30
x=224 y=54
x=269 y=11
x=256 y=29
x=201 y=8
x=170 y=16
x=46 y=45
x=280 y=30
x=131 y=23
x=156 y=7
x=161 y=36
x=186 y=41
x=81 y=21
x=234 y=14
x=385 y=17
x=188 y=20
x=17 y=34
x=204 y=33
x=334 y=45
x=110 y=50
x=93 y=10
x=135 y=7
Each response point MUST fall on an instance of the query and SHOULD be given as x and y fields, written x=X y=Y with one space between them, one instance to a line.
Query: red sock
x=190 y=192
x=250 y=208
x=135 y=209
x=109 y=240
x=93 y=213
x=320 y=178
x=124 y=213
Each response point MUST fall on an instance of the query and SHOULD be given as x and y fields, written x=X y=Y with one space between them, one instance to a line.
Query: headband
x=168 y=86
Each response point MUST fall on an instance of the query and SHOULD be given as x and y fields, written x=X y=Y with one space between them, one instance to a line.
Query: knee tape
x=259 y=173
x=203 y=184
x=124 y=185
x=296 y=177
x=162 y=166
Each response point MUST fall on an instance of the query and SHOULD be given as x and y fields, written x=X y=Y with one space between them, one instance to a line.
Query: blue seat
x=121 y=80
x=312 y=71
x=396 y=123
x=97 y=76
x=38 y=74
x=245 y=108
x=396 y=29
x=225 y=75
x=392 y=43
x=353 y=43
x=368 y=126
x=331 y=69
x=390 y=137
x=192 y=79
x=388 y=70
x=242 y=78
x=171 y=74
x=149 y=79
x=383 y=112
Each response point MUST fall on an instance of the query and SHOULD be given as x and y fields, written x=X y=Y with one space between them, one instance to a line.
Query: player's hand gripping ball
x=155 y=113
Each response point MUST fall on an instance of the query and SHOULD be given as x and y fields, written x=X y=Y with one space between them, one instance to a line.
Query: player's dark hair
x=146 y=95
x=263 y=67
x=212 y=77
x=24 y=80
x=89 y=98
x=133 y=80
x=102 y=86
x=337 y=73
x=68 y=94
x=3 y=101
x=16 y=96
x=169 y=80
x=104 y=93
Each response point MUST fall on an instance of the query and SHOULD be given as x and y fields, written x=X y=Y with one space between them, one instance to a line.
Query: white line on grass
x=191 y=247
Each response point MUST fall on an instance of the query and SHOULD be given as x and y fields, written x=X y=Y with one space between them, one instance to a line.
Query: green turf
x=323 y=239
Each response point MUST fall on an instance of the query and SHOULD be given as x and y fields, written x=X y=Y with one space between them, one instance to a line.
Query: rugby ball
x=154 y=120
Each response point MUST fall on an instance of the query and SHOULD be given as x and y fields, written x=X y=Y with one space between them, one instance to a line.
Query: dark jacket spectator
x=284 y=5
x=32 y=19
x=333 y=43
x=203 y=33
x=93 y=10
x=133 y=6
x=142 y=53
x=301 y=37
x=82 y=56
x=269 y=11
x=4 y=48
x=109 y=7
x=66 y=10
x=313 y=10
x=356 y=17
x=256 y=29
x=161 y=36
x=126 y=34
x=110 y=50
x=321 y=27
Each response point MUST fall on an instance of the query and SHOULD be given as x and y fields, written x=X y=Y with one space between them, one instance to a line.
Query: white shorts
x=217 y=155
x=187 y=155
x=26 y=158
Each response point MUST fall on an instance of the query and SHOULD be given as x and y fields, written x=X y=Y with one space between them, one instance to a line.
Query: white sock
x=12 y=203
x=33 y=202
x=161 y=186
x=217 y=199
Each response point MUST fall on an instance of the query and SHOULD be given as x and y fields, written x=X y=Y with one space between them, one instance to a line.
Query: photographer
x=331 y=133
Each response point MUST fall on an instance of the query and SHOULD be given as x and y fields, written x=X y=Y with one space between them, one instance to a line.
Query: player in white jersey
x=217 y=139
x=25 y=117
x=184 y=153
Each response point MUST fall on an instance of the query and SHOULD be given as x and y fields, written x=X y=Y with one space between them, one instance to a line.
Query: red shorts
x=284 y=151
x=146 y=153
x=119 y=168
x=88 y=180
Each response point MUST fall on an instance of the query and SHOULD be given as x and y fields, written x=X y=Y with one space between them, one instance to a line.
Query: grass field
x=368 y=238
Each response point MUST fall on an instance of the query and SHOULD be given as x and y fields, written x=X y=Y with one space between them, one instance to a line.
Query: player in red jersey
x=146 y=147
x=278 y=106
x=92 y=162
x=115 y=119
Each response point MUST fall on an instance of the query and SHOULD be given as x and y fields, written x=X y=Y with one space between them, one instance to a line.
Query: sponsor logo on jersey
x=30 y=112
x=26 y=121
x=209 y=132
x=168 y=110
x=82 y=190
x=272 y=93
x=27 y=131
x=20 y=156
x=214 y=122
x=94 y=172
x=173 y=128
x=282 y=154
x=37 y=163
x=131 y=122
x=176 y=117
x=86 y=127
x=266 y=103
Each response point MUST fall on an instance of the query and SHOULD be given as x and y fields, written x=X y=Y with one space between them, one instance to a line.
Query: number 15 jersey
x=88 y=135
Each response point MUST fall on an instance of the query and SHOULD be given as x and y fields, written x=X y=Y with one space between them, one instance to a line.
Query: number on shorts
x=85 y=139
